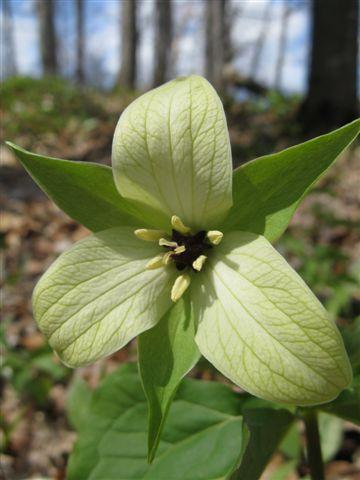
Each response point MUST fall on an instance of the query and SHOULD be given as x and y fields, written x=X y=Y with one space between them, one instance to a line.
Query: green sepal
x=166 y=353
x=84 y=191
x=267 y=190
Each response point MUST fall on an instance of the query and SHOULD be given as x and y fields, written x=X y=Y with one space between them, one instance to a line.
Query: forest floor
x=322 y=243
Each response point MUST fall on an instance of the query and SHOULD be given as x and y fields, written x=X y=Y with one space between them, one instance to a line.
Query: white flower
x=257 y=321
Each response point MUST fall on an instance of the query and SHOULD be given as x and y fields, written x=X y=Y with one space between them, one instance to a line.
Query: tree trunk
x=80 y=41
x=163 y=40
x=332 y=98
x=9 y=67
x=209 y=54
x=282 y=45
x=129 y=40
x=47 y=36
x=259 y=44
x=217 y=48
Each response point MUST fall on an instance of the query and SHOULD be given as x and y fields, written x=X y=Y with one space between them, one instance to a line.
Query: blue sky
x=102 y=20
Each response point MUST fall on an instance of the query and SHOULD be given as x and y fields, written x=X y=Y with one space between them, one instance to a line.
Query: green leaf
x=291 y=444
x=45 y=363
x=85 y=191
x=171 y=150
x=99 y=295
x=78 y=402
x=331 y=435
x=200 y=440
x=283 y=472
x=262 y=327
x=267 y=428
x=267 y=190
x=166 y=353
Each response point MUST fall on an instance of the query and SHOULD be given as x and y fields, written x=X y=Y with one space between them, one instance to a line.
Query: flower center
x=195 y=246
x=184 y=249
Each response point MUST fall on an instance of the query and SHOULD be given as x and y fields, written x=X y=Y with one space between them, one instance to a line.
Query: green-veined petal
x=263 y=328
x=171 y=151
x=98 y=296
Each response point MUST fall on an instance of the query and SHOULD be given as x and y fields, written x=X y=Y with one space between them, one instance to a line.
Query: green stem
x=314 y=455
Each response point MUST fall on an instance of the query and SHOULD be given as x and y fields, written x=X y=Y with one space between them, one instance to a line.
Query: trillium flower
x=256 y=320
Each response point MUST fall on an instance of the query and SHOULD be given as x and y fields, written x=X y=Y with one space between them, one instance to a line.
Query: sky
x=102 y=26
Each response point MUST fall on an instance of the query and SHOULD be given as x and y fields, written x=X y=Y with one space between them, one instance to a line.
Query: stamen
x=214 y=236
x=167 y=243
x=199 y=262
x=181 y=284
x=167 y=258
x=149 y=235
x=155 y=262
x=178 y=225
x=180 y=249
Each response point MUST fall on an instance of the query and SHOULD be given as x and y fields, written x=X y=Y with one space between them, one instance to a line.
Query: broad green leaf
x=44 y=362
x=331 y=435
x=283 y=472
x=171 y=151
x=347 y=405
x=78 y=402
x=291 y=444
x=117 y=394
x=200 y=441
x=85 y=191
x=268 y=189
x=212 y=395
x=98 y=296
x=262 y=327
x=191 y=457
x=267 y=428
x=166 y=353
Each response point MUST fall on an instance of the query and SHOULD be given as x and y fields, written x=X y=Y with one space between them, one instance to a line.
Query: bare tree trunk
x=8 y=41
x=163 y=40
x=282 y=45
x=129 y=40
x=217 y=47
x=80 y=41
x=259 y=44
x=47 y=36
x=332 y=98
x=209 y=53
x=228 y=17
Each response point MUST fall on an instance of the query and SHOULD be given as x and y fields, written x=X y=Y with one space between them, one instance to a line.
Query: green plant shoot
x=181 y=256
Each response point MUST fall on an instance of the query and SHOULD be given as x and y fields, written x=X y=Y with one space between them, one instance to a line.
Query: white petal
x=99 y=295
x=263 y=328
x=171 y=151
